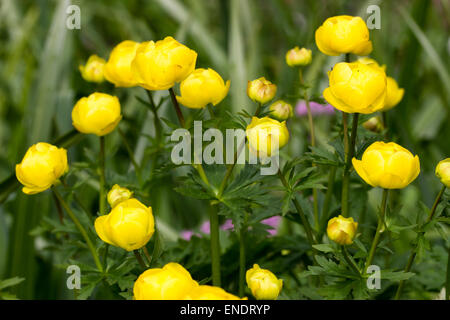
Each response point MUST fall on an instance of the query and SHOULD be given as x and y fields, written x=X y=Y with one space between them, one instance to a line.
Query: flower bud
x=374 y=124
x=210 y=293
x=342 y=230
x=356 y=87
x=263 y=283
x=129 y=225
x=298 y=57
x=97 y=114
x=118 y=68
x=118 y=194
x=343 y=34
x=443 y=172
x=261 y=90
x=201 y=87
x=159 y=65
x=281 y=110
x=266 y=135
x=171 y=282
x=387 y=165
x=394 y=94
x=93 y=70
x=41 y=167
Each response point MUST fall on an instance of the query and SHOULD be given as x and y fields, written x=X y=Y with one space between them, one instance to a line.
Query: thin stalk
x=215 y=246
x=349 y=152
x=156 y=119
x=380 y=229
x=105 y=256
x=258 y=110
x=80 y=228
x=147 y=255
x=242 y=261
x=306 y=225
x=102 y=177
x=177 y=108
x=129 y=151
x=328 y=197
x=313 y=144
x=139 y=259
x=413 y=254
x=349 y=260
x=447 y=282
x=78 y=200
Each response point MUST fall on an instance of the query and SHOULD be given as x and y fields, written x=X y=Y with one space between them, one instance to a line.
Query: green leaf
x=323 y=247
x=10 y=282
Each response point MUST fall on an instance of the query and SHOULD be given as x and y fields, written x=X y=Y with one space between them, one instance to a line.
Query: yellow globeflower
x=443 y=172
x=201 y=87
x=267 y=135
x=367 y=60
x=263 y=283
x=118 y=68
x=387 y=165
x=281 y=110
x=342 y=230
x=93 y=70
x=210 y=293
x=41 y=167
x=261 y=90
x=129 y=225
x=394 y=94
x=118 y=194
x=298 y=57
x=97 y=114
x=356 y=87
x=171 y=282
x=343 y=34
x=159 y=65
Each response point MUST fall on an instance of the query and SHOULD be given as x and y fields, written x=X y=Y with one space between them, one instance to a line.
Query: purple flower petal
x=316 y=108
x=187 y=234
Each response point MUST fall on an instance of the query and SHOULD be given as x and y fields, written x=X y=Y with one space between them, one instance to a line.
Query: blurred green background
x=242 y=40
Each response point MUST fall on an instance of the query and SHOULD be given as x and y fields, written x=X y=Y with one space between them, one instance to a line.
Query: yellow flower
x=281 y=110
x=367 y=60
x=41 y=167
x=158 y=66
x=261 y=90
x=356 y=87
x=118 y=68
x=93 y=70
x=394 y=94
x=443 y=172
x=266 y=135
x=263 y=283
x=118 y=194
x=210 y=293
x=387 y=165
x=129 y=225
x=342 y=230
x=374 y=124
x=343 y=34
x=171 y=282
x=201 y=87
x=97 y=114
x=298 y=57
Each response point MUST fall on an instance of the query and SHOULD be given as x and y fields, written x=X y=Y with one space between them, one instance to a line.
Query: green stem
x=156 y=119
x=380 y=229
x=328 y=197
x=349 y=260
x=242 y=262
x=102 y=177
x=258 y=110
x=447 y=282
x=139 y=259
x=105 y=256
x=349 y=152
x=313 y=144
x=215 y=246
x=306 y=225
x=130 y=152
x=413 y=254
x=147 y=255
x=80 y=228
x=177 y=108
